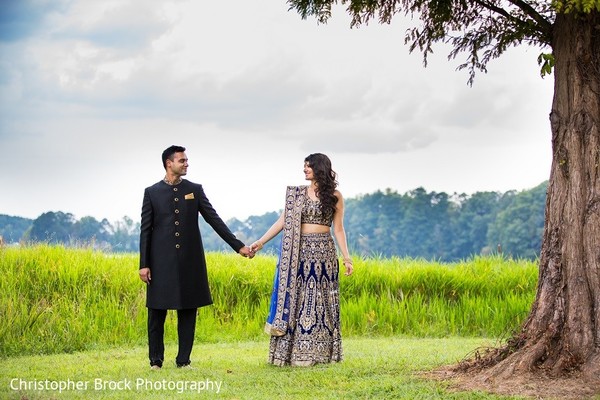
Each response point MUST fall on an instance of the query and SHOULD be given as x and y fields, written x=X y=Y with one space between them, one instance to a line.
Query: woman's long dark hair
x=325 y=178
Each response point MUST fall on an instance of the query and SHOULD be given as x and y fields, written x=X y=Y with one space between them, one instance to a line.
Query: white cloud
x=123 y=25
x=96 y=90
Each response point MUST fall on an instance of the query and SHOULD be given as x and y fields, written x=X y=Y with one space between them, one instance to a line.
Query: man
x=172 y=262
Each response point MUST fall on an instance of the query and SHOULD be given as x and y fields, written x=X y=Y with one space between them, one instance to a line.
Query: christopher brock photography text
x=98 y=384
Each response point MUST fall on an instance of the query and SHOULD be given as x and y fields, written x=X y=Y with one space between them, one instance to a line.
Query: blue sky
x=92 y=92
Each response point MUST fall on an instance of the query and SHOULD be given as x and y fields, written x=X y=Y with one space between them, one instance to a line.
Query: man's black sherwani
x=171 y=245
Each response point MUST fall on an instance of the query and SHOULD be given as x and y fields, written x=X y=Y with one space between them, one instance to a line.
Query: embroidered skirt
x=313 y=335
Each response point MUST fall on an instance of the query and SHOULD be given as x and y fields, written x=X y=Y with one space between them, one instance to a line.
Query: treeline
x=437 y=226
x=426 y=224
x=63 y=228
x=418 y=223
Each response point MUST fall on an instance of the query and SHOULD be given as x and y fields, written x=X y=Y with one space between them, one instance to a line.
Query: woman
x=304 y=317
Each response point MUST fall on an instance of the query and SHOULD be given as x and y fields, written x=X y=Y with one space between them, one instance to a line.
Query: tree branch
x=545 y=25
x=501 y=11
x=498 y=10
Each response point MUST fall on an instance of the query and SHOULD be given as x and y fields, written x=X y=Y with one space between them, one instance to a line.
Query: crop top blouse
x=312 y=213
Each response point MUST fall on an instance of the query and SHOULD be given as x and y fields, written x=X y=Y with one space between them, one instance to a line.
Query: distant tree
x=257 y=225
x=123 y=235
x=52 y=227
x=519 y=227
x=442 y=212
x=474 y=216
x=89 y=231
x=416 y=224
x=562 y=332
x=12 y=228
x=426 y=226
x=384 y=223
x=241 y=229
x=247 y=231
x=372 y=223
x=210 y=240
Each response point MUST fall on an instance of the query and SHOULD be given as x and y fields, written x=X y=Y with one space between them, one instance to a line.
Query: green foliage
x=482 y=30
x=52 y=227
x=12 y=229
x=519 y=228
x=546 y=61
x=62 y=228
x=124 y=235
x=435 y=226
x=56 y=300
x=580 y=6
x=482 y=297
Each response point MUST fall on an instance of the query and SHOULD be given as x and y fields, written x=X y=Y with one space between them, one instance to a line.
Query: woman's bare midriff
x=314 y=228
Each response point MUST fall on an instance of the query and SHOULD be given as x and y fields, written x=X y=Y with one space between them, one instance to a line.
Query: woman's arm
x=269 y=234
x=340 y=233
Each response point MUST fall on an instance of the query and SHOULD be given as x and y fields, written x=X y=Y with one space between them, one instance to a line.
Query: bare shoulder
x=338 y=194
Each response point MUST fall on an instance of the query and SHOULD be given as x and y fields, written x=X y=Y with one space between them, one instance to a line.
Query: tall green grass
x=54 y=299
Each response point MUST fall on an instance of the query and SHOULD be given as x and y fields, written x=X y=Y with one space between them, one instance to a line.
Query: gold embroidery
x=288 y=260
x=315 y=336
x=313 y=214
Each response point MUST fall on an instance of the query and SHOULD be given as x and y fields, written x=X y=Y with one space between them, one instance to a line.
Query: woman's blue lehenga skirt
x=313 y=334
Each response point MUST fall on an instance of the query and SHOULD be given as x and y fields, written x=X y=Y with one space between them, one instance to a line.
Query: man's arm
x=212 y=218
x=145 y=237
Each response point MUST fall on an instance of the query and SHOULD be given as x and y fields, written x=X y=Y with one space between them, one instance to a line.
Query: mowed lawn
x=373 y=368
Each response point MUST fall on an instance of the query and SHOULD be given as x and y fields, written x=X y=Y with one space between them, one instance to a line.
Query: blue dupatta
x=284 y=292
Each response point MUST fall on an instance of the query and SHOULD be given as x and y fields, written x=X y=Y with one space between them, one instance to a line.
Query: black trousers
x=186 y=328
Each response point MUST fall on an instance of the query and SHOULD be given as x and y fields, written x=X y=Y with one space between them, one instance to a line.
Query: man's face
x=179 y=164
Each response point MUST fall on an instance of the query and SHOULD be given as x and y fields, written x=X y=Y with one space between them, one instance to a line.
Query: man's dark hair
x=169 y=152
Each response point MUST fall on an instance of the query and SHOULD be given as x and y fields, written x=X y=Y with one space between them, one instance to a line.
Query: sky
x=92 y=92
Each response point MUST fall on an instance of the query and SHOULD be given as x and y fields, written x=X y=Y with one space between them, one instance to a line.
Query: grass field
x=76 y=318
x=58 y=300
x=373 y=368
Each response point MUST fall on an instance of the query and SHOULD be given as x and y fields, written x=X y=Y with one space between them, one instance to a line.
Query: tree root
x=487 y=357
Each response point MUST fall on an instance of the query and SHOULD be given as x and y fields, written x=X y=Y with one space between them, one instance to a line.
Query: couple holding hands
x=304 y=315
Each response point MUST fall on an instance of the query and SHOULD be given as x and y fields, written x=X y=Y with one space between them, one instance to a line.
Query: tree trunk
x=562 y=333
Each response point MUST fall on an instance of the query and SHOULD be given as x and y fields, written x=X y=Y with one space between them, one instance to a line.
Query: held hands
x=250 y=251
x=247 y=252
x=256 y=246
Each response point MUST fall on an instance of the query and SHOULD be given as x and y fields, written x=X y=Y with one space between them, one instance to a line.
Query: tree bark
x=561 y=336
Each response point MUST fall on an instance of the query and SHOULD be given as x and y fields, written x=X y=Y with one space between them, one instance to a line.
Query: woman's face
x=308 y=172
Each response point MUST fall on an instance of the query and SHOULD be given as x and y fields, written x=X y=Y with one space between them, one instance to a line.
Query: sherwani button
x=176 y=199
x=176 y=211
x=176 y=222
x=177 y=246
x=176 y=233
